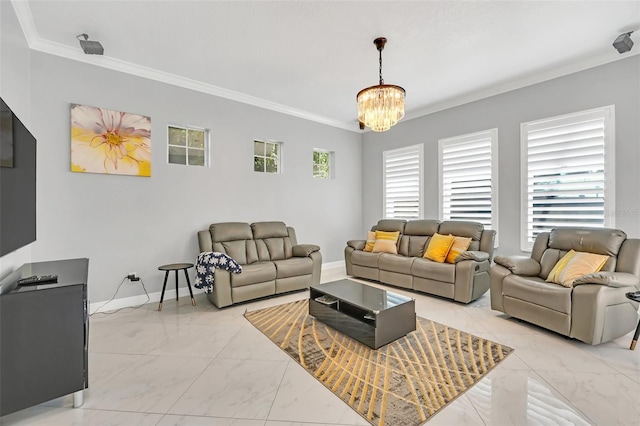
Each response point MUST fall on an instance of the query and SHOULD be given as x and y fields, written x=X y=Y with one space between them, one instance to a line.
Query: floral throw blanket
x=206 y=265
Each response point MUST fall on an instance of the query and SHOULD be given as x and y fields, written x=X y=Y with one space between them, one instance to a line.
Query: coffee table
x=368 y=314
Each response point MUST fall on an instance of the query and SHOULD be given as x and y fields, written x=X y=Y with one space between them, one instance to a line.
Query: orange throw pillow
x=438 y=247
x=371 y=239
x=460 y=244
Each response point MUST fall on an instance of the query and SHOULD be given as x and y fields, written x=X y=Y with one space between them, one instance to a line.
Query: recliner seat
x=595 y=309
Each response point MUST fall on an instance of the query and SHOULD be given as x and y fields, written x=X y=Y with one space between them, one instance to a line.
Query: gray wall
x=125 y=223
x=617 y=83
x=14 y=90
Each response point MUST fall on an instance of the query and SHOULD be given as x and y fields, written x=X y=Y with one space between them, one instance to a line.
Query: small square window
x=267 y=157
x=188 y=145
x=322 y=164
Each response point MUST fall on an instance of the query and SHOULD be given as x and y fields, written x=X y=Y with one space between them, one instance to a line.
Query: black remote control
x=35 y=279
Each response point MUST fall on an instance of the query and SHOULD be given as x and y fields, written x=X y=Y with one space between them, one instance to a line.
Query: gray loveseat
x=272 y=260
x=463 y=281
x=595 y=309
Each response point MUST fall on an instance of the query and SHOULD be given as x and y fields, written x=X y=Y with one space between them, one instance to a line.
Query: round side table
x=176 y=267
x=635 y=296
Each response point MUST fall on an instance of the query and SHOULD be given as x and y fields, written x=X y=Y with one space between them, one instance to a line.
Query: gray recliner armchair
x=595 y=310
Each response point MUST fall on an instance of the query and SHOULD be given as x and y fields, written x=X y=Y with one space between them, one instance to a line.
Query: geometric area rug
x=401 y=384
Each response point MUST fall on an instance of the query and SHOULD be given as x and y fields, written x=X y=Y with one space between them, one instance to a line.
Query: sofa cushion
x=390 y=225
x=423 y=227
x=462 y=228
x=412 y=245
x=263 y=230
x=274 y=249
x=235 y=249
x=254 y=273
x=438 y=247
x=535 y=290
x=575 y=264
x=591 y=240
x=386 y=242
x=230 y=231
x=293 y=267
x=362 y=258
x=429 y=269
x=395 y=263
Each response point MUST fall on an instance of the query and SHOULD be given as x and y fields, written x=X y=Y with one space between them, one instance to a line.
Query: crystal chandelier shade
x=380 y=107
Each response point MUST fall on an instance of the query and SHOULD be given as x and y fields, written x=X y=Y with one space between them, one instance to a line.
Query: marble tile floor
x=201 y=365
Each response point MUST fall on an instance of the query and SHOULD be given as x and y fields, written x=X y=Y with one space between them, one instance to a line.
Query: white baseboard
x=333 y=265
x=129 y=302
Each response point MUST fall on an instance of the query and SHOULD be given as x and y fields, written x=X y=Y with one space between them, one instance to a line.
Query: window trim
x=280 y=156
x=331 y=163
x=608 y=115
x=206 y=149
x=419 y=148
x=491 y=134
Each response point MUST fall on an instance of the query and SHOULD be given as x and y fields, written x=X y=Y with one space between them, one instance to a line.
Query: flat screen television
x=17 y=182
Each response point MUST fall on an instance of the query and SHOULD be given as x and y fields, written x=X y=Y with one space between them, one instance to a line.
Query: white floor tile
x=233 y=388
x=301 y=398
x=152 y=384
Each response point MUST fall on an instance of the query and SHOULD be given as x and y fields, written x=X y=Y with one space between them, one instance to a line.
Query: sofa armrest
x=519 y=265
x=478 y=256
x=357 y=244
x=610 y=279
x=304 y=250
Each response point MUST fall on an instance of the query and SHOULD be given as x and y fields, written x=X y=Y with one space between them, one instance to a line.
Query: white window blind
x=468 y=178
x=402 y=183
x=567 y=177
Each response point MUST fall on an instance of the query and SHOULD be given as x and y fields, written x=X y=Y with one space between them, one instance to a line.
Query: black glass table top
x=361 y=295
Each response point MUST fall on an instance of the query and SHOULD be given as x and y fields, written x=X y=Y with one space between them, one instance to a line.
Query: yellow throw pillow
x=438 y=247
x=371 y=239
x=460 y=244
x=386 y=242
x=575 y=264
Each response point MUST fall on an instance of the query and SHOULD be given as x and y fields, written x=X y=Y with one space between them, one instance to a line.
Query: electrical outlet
x=132 y=276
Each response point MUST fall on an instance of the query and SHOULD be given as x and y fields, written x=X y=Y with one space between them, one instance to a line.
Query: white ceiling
x=310 y=58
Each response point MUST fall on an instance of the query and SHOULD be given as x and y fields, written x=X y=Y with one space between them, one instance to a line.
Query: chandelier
x=380 y=107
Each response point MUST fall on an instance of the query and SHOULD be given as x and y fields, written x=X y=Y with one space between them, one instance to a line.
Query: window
x=402 y=183
x=567 y=172
x=322 y=164
x=469 y=178
x=267 y=157
x=188 y=145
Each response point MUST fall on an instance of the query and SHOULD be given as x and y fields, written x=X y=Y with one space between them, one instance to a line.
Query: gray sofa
x=272 y=260
x=463 y=281
x=595 y=309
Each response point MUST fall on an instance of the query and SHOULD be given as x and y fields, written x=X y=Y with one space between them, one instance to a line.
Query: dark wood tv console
x=44 y=332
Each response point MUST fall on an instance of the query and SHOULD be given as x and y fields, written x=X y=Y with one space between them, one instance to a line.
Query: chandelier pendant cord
x=380 y=70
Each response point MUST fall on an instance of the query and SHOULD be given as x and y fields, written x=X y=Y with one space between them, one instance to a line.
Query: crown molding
x=35 y=42
x=519 y=83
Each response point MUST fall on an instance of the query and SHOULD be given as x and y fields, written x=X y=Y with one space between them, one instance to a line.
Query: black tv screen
x=17 y=182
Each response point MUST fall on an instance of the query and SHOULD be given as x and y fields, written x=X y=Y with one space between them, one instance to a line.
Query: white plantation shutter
x=468 y=178
x=567 y=177
x=402 y=180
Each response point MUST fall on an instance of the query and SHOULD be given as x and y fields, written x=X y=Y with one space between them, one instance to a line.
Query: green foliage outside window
x=321 y=164
x=266 y=157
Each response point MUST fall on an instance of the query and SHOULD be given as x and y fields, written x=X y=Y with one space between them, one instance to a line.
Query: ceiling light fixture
x=380 y=107
x=90 y=47
x=623 y=42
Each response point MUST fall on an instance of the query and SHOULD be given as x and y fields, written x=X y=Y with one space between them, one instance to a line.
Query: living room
x=129 y=223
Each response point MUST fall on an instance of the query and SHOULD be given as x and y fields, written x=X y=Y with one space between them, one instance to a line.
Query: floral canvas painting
x=111 y=142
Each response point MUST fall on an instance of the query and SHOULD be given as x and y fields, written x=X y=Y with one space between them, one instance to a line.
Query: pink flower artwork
x=111 y=142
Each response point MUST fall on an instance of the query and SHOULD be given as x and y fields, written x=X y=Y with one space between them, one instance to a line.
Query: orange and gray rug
x=401 y=384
